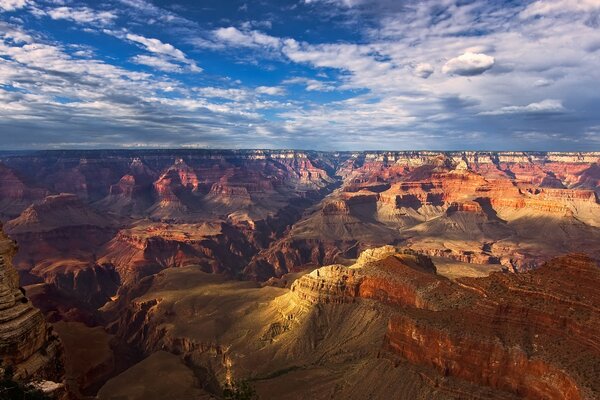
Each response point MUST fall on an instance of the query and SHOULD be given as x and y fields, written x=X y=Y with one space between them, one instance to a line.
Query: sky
x=303 y=74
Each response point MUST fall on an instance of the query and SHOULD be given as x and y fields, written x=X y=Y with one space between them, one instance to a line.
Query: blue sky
x=312 y=74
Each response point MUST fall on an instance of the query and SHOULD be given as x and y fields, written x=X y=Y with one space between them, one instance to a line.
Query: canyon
x=30 y=350
x=442 y=275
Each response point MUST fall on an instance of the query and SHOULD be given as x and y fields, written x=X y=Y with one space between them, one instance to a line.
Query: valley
x=426 y=274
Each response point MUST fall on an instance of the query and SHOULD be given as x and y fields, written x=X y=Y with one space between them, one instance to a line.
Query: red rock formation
x=535 y=334
x=147 y=249
x=28 y=344
x=525 y=334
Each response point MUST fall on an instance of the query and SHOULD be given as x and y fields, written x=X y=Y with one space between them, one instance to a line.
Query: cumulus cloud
x=83 y=15
x=549 y=106
x=469 y=64
x=234 y=37
x=424 y=70
x=12 y=5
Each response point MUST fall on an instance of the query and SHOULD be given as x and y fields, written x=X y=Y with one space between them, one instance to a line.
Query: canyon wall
x=28 y=345
x=533 y=335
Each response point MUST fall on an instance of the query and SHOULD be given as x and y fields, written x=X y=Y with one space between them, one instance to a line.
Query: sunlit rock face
x=28 y=344
x=506 y=336
x=473 y=207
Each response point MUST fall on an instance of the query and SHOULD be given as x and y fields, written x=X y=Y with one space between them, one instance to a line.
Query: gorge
x=443 y=275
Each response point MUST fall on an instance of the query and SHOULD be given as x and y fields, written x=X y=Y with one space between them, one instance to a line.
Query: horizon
x=333 y=75
x=217 y=149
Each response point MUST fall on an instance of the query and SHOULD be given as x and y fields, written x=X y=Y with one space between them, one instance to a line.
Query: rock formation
x=28 y=344
x=507 y=336
x=117 y=236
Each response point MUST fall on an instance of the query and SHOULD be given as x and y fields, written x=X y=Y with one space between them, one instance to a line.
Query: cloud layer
x=322 y=74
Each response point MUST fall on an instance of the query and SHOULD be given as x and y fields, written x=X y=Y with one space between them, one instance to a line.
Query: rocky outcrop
x=328 y=285
x=28 y=344
x=523 y=333
x=147 y=249
x=532 y=335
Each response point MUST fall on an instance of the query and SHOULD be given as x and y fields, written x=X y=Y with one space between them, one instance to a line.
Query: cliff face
x=533 y=334
x=127 y=215
x=473 y=207
x=283 y=211
x=389 y=321
x=27 y=343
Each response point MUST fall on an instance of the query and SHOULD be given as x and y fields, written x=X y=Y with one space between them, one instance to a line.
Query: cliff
x=386 y=326
x=28 y=344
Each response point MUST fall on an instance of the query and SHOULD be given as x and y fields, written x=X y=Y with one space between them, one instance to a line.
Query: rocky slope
x=128 y=215
x=145 y=242
x=478 y=208
x=28 y=345
x=389 y=322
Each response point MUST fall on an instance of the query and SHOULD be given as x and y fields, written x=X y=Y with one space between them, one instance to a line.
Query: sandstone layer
x=28 y=345
x=388 y=325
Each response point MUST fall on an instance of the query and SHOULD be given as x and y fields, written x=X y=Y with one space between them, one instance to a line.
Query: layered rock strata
x=28 y=344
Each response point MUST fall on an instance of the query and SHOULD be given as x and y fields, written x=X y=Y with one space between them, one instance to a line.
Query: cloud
x=553 y=7
x=163 y=50
x=468 y=64
x=234 y=37
x=270 y=90
x=221 y=93
x=158 y=63
x=311 y=85
x=542 y=82
x=83 y=15
x=12 y=5
x=342 y=3
x=424 y=70
x=549 y=106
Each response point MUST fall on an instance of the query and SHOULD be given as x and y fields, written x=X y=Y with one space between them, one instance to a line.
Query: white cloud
x=12 y=5
x=343 y=3
x=469 y=64
x=270 y=90
x=548 y=106
x=221 y=93
x=311 y=85
x=83 y=15
x=553 y=7
x=164 y=50
x=424 y=70
x=156 y=46
x=234 y=37
x=158 y=63
x=542 y=82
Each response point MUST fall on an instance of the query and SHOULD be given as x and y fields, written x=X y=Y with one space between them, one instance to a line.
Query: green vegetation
x=239 y=390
